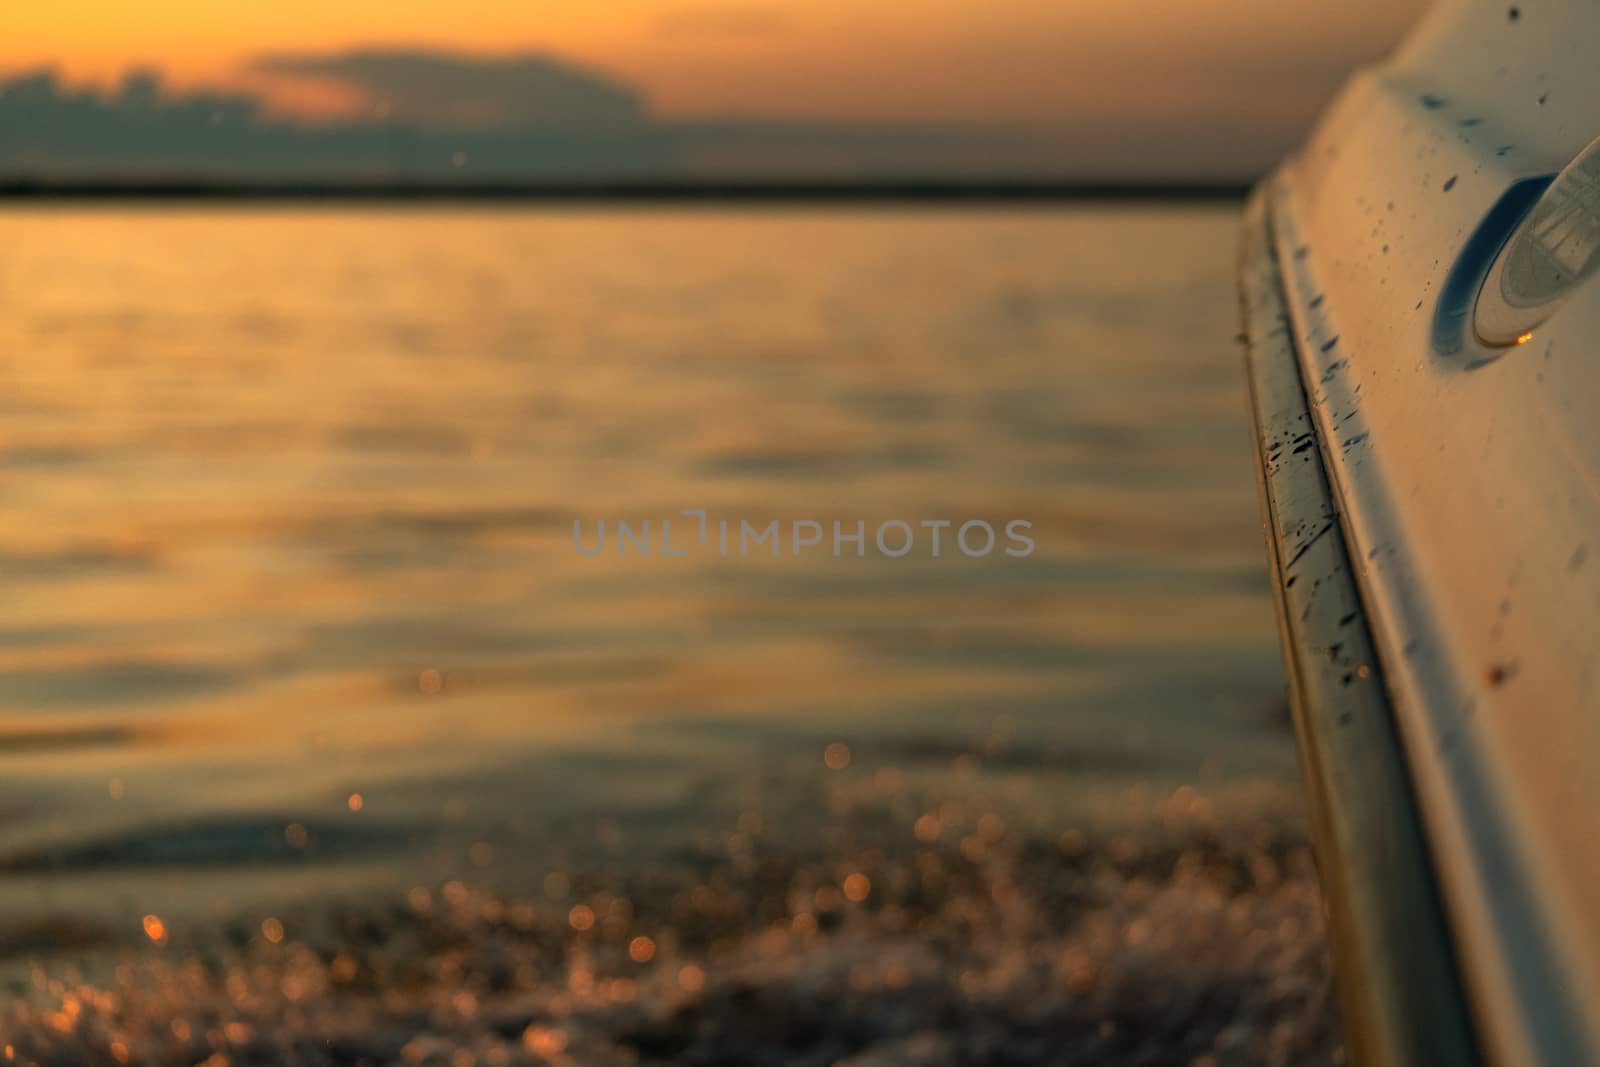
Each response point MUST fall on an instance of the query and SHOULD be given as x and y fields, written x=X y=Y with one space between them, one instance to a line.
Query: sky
x=1252 y=72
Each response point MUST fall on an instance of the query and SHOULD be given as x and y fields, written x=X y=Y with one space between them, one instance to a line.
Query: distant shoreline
x=929 y=191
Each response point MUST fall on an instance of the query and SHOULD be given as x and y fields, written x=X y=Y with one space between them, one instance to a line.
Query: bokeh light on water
x=299 y=667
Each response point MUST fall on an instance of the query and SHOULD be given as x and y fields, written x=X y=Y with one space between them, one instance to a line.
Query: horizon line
x=665 y=190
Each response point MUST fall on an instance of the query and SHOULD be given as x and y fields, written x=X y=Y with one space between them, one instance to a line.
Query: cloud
x=444 y=89
x=532 y=118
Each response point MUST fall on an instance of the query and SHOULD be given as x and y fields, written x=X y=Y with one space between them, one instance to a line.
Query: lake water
x=321 y=740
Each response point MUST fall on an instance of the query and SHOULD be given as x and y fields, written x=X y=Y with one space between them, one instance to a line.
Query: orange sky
x=981 y=60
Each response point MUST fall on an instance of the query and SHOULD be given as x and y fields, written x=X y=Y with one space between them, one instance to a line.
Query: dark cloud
x=443 y=89
x=142 y=129
x=532 y=118
x=47 y=126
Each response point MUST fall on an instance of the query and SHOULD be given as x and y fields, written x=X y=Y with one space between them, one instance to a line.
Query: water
x=306 y=692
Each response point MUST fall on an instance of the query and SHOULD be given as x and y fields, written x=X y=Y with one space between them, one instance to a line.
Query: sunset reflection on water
x=293 y=613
